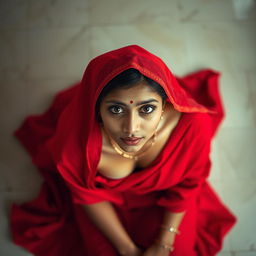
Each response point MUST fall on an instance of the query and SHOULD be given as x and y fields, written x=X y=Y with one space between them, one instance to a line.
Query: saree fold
x=65 y=144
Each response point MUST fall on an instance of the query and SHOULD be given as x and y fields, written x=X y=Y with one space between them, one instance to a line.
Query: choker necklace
x=131 y=156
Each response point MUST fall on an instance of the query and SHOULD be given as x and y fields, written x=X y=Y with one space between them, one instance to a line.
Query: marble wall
x=45 y=46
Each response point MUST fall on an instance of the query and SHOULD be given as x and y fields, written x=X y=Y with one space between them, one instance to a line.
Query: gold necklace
x=131 y=156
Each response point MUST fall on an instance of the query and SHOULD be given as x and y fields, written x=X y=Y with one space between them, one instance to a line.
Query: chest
x=115 y=166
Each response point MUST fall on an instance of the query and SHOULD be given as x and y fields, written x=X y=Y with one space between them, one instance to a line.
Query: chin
x=130 y=149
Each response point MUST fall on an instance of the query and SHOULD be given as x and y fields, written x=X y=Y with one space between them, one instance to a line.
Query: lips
x=131 y=141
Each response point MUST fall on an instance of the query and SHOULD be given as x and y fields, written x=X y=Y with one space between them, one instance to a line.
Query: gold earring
x=162 y=115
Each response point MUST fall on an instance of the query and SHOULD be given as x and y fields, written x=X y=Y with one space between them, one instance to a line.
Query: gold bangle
x=168 y=247
x=171 y=229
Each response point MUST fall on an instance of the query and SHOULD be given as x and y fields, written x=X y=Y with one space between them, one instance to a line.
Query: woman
x=125 y=157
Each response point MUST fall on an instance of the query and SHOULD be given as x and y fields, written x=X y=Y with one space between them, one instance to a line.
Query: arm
x=165 y=237
x=105 y=218
x=178 y=198
x=171 y=219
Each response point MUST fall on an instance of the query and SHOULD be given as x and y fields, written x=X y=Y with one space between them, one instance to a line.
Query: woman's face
x=131 y=116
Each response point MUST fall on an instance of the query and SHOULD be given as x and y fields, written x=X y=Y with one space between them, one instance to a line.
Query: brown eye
x=147 y=109
x=115 y=109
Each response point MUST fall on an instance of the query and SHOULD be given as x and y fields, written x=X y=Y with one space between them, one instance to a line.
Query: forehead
x=138 y=91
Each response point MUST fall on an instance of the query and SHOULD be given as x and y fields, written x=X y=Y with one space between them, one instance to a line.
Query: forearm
x=105 y=218
x=165 y=239
x=170 y=220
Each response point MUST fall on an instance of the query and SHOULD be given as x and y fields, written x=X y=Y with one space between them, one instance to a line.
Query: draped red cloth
x=65 y=144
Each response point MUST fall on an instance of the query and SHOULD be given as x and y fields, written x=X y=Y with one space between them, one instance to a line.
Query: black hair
x=128 y=79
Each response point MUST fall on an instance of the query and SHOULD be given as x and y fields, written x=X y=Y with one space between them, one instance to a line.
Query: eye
x=116 y=109
x=147 y=109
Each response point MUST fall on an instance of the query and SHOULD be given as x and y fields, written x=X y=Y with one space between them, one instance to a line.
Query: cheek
x=150 y=125
x=111 y=124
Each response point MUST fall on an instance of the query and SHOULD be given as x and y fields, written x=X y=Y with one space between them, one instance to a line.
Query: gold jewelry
x=168 y=247
x=131 y=156
x=162 y=117
x=171 y=229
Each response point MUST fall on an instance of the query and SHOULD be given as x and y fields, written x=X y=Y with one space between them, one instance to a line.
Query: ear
x=163 y=104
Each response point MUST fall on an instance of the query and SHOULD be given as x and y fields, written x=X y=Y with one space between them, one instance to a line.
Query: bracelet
x=171 y=229
x=168 y=247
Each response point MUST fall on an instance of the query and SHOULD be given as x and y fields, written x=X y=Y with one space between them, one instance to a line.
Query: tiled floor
x=45 y=46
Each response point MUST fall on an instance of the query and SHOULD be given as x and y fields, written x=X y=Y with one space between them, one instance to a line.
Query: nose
x=131 y=124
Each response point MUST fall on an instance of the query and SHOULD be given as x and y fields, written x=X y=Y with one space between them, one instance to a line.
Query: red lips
x=131 y=141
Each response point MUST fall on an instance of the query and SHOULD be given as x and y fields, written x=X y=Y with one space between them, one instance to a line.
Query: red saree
x=65 y=144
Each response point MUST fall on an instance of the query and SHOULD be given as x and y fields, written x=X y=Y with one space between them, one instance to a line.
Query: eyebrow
x=138 y=104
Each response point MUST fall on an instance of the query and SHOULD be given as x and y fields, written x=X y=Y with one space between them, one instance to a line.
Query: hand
x=156 y=250
x=132 y=251
x=135 y=252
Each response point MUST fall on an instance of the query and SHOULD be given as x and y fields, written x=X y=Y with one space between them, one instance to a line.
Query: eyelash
x=148 y=106
x=110 y=109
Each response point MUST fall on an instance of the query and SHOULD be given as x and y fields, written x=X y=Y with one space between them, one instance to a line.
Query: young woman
x=125 y=158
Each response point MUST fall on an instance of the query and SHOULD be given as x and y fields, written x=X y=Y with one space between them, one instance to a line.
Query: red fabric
x=65 y=144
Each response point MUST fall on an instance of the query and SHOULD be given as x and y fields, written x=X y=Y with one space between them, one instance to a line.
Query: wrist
x=127 y=249
x=167 y=234
x=164 y=246
x=166 y=237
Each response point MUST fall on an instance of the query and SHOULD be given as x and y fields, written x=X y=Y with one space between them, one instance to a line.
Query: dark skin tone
x=134 y=112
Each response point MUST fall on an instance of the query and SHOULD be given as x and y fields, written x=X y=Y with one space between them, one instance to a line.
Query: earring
x=162 y=115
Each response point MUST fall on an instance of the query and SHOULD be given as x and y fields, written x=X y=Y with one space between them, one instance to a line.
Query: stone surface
x=46 y=45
